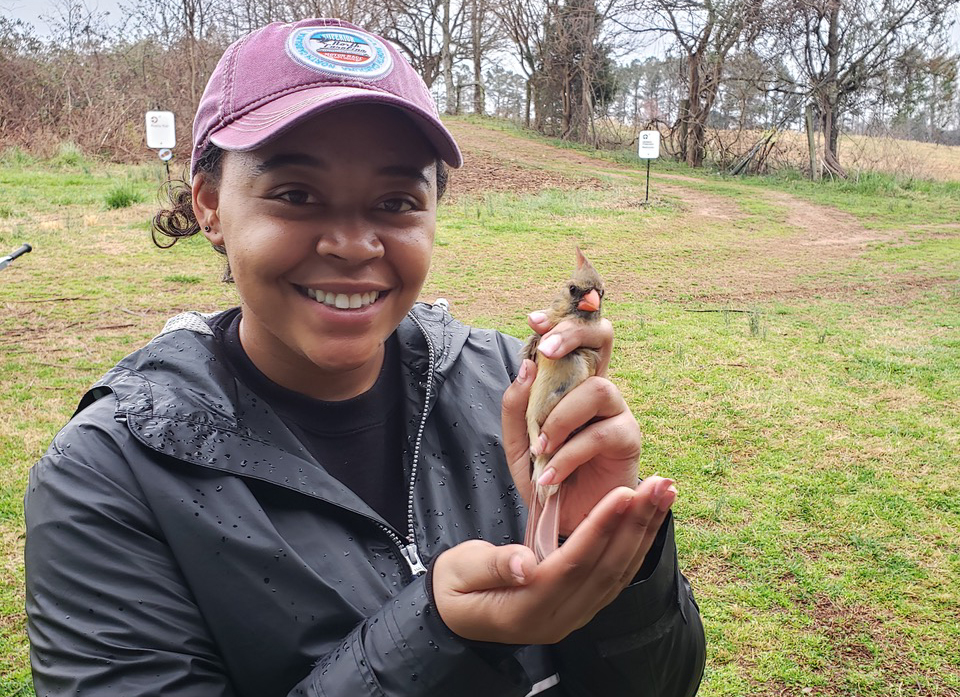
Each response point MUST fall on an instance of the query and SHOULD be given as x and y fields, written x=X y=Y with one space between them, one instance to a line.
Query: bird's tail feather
x=543 y=523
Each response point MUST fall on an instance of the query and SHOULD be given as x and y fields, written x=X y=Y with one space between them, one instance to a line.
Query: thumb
x=475 y=566
x=516 y=442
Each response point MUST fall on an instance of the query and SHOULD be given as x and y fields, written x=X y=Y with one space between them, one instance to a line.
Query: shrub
x=69 y=154
x=122 y=197
x=16 y=157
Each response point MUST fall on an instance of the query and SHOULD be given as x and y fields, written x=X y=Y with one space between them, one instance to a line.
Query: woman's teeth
x=343 y=301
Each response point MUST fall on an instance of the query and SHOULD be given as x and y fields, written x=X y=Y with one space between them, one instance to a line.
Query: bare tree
x=185 y=25
x=525 y=24
x=577 y=70
x=486 y=35
x=413 y=26
x=842 y=48
x=705 y=31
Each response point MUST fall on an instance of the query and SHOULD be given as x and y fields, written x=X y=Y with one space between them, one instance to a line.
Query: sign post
x=649 y=149
x=161 y=135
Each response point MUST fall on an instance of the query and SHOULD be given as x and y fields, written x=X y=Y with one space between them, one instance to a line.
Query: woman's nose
x=350 y=240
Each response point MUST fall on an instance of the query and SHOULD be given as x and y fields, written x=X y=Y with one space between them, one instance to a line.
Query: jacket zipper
x=409 y=548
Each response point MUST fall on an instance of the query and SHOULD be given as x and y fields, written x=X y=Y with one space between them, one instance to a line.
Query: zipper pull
x=412 y=556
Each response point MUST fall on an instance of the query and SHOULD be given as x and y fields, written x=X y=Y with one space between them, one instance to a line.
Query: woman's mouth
x=342 y=301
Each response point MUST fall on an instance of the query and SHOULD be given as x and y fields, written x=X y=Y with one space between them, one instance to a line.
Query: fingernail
x=522 y=375
x=542 y=443
x=664 y=501
x=658 y=490
x=516 y=567
x=549 y=346
x=537 y=317
x=623 y=505
x=546 y=479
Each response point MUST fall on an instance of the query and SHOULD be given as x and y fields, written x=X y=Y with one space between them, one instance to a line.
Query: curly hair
x=178 y=220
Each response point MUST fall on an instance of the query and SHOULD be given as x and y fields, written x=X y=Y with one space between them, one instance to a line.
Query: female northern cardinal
x=579 y=300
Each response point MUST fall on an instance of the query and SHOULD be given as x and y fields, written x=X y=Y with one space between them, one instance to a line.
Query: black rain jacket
x=182 y=542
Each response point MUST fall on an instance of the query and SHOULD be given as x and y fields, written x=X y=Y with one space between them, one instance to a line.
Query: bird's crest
x=586 y=287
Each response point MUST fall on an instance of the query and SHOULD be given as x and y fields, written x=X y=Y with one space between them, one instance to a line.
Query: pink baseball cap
x=274 y=78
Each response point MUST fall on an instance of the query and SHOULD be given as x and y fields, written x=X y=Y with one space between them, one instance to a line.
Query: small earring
x=206 y=228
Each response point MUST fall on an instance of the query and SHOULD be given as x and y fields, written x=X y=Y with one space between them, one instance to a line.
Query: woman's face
x=328 y=231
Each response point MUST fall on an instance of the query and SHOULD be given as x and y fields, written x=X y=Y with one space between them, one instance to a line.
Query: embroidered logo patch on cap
x=340 y=51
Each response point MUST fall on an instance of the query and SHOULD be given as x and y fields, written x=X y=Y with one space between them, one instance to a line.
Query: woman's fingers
x=615 y=440
x=501 y=594
x=606 y=427
x=604 y=553
x=635 y=536
x=593 y=399
x=568 y=335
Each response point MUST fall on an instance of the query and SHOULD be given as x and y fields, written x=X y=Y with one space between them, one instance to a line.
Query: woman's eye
x=296 y=196
x=396 y=205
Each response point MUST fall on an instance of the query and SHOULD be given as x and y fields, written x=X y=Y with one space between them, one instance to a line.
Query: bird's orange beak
x=590 y=302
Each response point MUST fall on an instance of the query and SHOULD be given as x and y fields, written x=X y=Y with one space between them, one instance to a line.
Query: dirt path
x=811 y=237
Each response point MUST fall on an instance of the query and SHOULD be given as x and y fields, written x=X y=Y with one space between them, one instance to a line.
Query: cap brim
x=260 y=125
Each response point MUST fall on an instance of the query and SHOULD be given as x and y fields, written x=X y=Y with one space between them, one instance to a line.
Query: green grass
x=122 y=197
x=812 y=424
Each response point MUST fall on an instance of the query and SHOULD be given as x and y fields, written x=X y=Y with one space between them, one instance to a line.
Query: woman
x=313 y=493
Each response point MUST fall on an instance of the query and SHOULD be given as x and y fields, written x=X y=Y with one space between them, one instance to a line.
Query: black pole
x=648 y=181
x=167 y=163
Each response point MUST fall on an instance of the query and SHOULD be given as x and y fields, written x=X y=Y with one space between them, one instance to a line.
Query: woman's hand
x=598 y=457
x=501 y=594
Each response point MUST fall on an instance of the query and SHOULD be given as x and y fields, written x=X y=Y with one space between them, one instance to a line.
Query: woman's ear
x=206 y=208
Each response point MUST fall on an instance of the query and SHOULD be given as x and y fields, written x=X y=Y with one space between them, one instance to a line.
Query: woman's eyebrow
x=287 y=159
x=406 y=171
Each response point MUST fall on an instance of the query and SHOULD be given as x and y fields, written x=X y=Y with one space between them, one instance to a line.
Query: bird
x=579 y=299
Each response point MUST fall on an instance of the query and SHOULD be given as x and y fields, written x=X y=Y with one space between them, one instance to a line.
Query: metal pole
x=648 y=181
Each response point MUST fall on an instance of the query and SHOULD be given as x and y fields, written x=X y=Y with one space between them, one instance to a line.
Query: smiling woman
x=283 y=498
x=344 y=205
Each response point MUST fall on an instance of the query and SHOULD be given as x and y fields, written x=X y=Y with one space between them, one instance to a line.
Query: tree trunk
x=447 y=61
x=684 y=118
x=830 y=125
x=811 y=143
x=529 y=97
x=479 y=97
x=830 y=99
x=695 y=132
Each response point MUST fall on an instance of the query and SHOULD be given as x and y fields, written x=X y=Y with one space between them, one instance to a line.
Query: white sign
x=160 y=130
x=649 y=145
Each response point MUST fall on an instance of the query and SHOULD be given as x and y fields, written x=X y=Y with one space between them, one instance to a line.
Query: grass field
x=791 y=351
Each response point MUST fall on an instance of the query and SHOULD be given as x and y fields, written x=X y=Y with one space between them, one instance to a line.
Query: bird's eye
x=573 y=289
